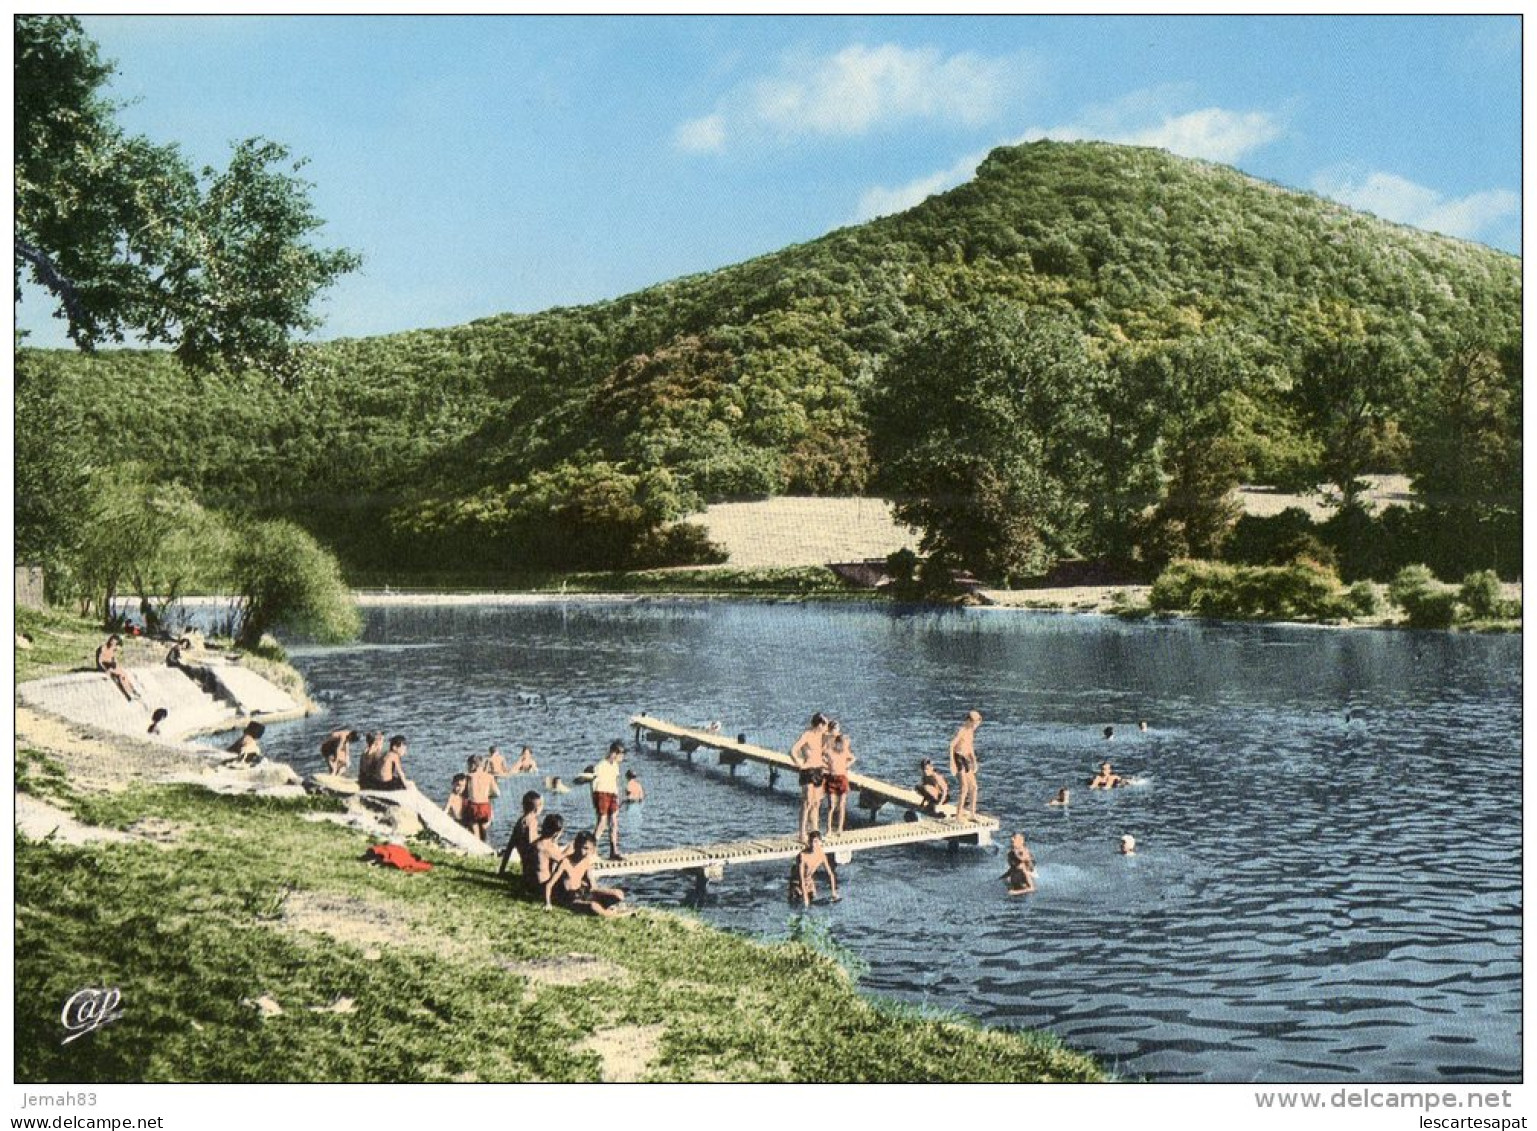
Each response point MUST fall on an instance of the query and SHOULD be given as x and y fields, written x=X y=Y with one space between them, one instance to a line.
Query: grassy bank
x=251 y=943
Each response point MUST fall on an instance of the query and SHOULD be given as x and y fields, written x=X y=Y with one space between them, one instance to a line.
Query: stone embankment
x=215 y=695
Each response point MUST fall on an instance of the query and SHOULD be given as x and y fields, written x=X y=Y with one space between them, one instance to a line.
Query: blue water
x=1328 y=881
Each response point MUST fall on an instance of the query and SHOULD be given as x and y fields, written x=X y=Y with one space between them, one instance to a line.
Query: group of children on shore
x=559 y=874
x=470 y=794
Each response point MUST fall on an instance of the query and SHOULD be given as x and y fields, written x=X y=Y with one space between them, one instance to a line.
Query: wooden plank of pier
x=708 y=858
x=862 y=784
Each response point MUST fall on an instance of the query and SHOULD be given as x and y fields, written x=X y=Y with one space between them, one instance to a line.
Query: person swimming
x=1128 y=845
x=1062 y=798
x=1107 y=778
x=1021 y=874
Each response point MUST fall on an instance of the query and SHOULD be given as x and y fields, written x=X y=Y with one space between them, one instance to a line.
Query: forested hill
x=567 y=436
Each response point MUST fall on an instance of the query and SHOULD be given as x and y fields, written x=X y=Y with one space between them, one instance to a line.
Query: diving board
x=871 y=793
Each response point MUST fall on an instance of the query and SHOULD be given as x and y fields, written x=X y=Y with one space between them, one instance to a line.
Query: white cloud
x=1147 y=117
x=1142 y=118
x=858 y=90
x=701 y=135
x=883 y=201
x=1397 y=198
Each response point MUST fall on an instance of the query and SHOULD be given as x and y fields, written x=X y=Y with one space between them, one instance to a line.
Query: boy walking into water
x=337 y=749
x=963 y=764
x=478 y=792
x=605 y=797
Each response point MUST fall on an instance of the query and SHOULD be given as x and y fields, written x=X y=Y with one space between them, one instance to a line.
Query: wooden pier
x=869 y=794
x=709 y=861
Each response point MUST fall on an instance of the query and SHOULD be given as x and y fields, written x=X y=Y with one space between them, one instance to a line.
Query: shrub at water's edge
x=1307 y=590
x=1303 y=590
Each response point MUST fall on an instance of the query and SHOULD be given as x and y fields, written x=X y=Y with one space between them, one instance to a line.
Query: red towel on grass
x=396 y=857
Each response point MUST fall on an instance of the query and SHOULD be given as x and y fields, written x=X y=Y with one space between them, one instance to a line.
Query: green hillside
x=569 y=436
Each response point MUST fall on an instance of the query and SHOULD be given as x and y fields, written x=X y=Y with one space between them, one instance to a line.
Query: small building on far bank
x=29 y=587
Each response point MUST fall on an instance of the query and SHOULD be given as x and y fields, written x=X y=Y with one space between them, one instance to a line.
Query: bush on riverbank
x=1303 y=590
x=1425 y=601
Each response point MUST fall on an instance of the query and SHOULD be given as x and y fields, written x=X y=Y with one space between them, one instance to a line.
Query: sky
x=492 y=164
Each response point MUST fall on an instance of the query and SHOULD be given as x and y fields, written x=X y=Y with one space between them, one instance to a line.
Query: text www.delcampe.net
x=1422 y=1100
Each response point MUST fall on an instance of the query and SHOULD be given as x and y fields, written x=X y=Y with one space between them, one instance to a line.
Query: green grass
x=190 y=932
x=60 y=642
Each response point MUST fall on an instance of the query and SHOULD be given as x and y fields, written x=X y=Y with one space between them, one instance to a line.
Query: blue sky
x=505 y=163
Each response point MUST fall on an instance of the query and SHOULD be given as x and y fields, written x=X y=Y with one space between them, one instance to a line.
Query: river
x=1327 y=885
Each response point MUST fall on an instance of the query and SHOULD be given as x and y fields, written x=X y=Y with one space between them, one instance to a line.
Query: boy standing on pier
x=963 y=764
x=839 y=758
x=807 y=756
x=605 y=797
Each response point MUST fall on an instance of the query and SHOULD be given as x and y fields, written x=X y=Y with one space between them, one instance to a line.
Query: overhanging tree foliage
x=129 y=240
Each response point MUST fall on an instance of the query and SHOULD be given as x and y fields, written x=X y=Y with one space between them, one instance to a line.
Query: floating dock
x=709 y=861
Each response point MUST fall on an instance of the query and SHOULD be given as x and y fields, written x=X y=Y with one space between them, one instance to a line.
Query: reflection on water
x=1327 y=883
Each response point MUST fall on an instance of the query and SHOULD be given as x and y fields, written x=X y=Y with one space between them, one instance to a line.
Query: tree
x=145 y=538
x=1201 y=460
x=284 y=578
x=1349 y=385
x=980 y=428
x=53 y=471
x=1465 y=456
x=127 y=239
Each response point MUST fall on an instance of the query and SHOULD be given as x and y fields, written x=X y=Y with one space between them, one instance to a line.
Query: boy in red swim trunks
x=839 y=758
x=478 y=792
x=605 y=797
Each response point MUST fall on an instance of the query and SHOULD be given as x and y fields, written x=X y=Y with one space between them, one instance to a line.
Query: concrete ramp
x=191 y=709
x=433 y=819
x=91 y=698
x=255 y=695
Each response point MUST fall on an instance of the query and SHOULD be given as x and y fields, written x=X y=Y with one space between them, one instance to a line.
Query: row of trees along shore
x=1072 y=358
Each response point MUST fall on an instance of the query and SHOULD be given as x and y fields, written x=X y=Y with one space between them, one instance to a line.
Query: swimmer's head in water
x=1128 y=844
x=1110 y=732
